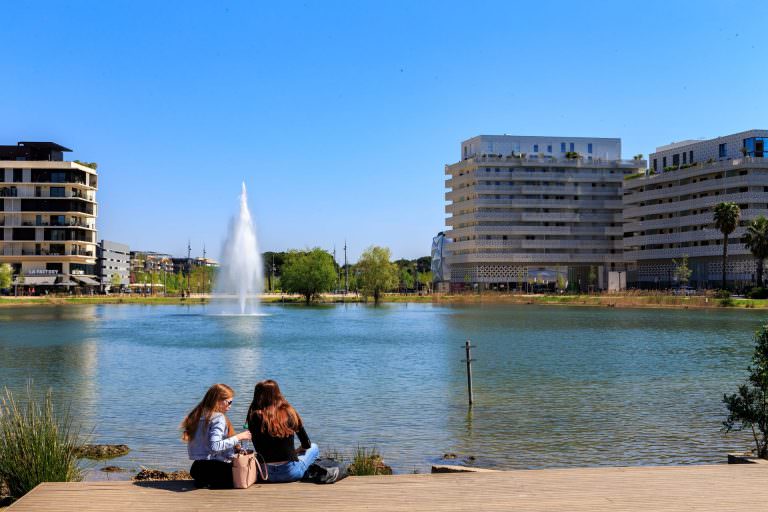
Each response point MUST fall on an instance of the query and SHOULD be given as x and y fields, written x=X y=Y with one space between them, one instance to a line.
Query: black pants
x=212 y=473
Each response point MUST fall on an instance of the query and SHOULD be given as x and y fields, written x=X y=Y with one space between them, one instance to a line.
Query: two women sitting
x=272 y=425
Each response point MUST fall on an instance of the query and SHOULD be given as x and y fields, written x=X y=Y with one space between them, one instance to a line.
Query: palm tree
x=726 y=219
x=756 y=240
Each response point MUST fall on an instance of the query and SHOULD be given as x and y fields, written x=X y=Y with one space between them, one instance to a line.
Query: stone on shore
x=153 y=475
x=112 y=469
x=102 y=451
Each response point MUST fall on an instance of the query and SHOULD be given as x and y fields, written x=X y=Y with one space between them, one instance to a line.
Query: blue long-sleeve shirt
x=211 y=441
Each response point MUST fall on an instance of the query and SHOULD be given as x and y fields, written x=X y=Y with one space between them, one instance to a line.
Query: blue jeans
x=293 y=471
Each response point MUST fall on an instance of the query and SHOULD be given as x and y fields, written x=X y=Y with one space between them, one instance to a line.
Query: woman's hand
x=244 y=435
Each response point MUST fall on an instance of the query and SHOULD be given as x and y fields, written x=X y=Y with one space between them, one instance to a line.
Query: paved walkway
x=706 y=488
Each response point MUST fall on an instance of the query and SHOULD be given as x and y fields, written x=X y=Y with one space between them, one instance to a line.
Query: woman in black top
x=273 y=422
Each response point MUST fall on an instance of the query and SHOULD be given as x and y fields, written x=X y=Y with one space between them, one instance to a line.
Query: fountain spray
x=241 y=268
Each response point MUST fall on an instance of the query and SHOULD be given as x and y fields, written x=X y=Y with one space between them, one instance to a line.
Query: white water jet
x=241 y=268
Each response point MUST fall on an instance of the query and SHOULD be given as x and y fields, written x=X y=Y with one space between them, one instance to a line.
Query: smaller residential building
x=113 y=259
x=149 y=262
x=668 y=212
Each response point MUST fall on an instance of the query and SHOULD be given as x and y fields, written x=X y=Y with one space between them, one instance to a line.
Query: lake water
x=554 y=386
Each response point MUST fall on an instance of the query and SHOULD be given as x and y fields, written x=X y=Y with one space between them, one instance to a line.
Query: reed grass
x=37 y=442
x=368 y=462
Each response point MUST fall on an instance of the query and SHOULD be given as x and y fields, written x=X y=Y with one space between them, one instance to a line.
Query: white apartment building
x=526 y=211
x=668 y=213
x=47 y=216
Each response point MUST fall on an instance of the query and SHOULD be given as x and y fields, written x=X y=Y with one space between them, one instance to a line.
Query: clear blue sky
x=340 y=115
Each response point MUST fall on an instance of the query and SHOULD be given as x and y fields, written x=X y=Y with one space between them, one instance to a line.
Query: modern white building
x=47 y=216
x=668 y=212
x=114 y=259
x=531 y=211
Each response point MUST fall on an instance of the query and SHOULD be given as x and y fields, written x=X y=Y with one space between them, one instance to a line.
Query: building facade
x=668 y=212
x=529 y=212
x=48 y=216
x=114 y=260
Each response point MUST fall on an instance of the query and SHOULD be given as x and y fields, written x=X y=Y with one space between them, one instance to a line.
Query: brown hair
x=278 y=418
x=206 y=408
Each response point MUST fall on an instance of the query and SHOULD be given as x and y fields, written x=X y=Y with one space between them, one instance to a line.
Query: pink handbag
x=246 y=469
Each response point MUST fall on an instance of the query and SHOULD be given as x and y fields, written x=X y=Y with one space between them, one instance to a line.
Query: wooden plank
x=715 y=488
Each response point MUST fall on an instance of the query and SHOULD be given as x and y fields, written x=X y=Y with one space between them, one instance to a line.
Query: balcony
x=694 y=204
x=534 y=258
x=550 y=160
x=707 y=185
x=518 y=174
x=698 y=169
x=523 y=204
x=734 y=249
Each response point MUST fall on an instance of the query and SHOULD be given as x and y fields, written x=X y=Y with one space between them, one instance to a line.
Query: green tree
x=682 y=270
x=592 y=277
x=425 y=278
x=308 y=273
x=376 y=273
x=115 y=282
x=726 y=219
x=6 y=276
x=561 y=282
x=406 y=279
x=424 y=264
x=756 y=240
x=748 y=409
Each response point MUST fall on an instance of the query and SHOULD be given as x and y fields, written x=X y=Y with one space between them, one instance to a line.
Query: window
x=656 y=165
x=722 y=150
x=17 y=176
x=755 y=146
x=562 y=147
x=549 y=148
x=664 y=162
x=684 y=157
x=589 y=148
x=690 y=156
x=675 y=160
x=535 y=148
x=573 y=147
x=57 y=192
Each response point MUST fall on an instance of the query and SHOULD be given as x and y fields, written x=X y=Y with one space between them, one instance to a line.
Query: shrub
x=748 y=409
x=722 y=294
x=727 y=302
x=757 y=292
x=37 y=444
x=368 y=462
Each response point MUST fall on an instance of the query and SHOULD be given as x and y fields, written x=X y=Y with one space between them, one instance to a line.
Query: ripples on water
x=554 y=386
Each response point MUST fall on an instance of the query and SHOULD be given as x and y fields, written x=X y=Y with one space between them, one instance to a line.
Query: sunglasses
x=228 y=402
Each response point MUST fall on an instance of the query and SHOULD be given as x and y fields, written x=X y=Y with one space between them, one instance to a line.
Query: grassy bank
x=98 y=299
x=625 y=300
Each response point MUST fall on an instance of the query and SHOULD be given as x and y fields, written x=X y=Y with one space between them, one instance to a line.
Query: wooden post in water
x=467 y=347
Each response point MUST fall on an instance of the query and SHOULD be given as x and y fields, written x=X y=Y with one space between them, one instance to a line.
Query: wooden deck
x=715 y=488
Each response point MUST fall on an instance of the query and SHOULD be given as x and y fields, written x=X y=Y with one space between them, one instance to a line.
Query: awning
x=37 y=281
x=87 y=281
x=66 y=283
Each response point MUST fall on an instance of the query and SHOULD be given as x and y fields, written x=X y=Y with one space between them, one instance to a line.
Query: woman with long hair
x=273 y=422
x=211 y=439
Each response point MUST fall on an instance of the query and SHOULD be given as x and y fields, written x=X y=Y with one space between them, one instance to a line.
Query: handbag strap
x=261 y=466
